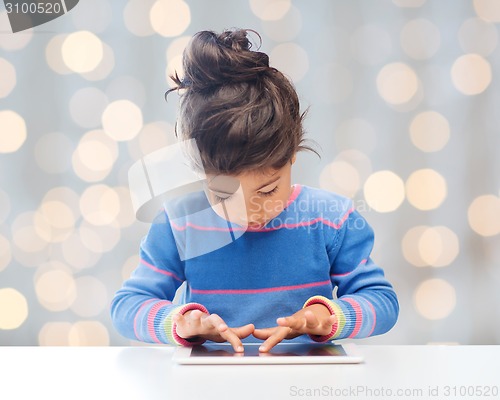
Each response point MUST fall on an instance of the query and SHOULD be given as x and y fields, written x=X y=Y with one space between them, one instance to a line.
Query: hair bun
x=211 y=60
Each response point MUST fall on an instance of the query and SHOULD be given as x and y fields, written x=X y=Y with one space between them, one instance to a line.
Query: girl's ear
x=292 y=161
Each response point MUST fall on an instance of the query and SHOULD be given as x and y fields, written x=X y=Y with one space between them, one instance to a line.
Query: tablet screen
x=281 y=350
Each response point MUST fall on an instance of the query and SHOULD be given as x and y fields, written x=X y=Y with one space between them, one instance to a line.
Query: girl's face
x=250 y=199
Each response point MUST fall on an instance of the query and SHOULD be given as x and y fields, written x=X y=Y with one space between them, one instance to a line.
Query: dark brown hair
x=243 y=114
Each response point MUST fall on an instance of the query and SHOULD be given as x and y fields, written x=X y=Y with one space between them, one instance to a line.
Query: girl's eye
x=219 y=199
x=269 y=193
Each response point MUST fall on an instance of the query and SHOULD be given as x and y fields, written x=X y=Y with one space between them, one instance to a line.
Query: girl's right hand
x=196 y=323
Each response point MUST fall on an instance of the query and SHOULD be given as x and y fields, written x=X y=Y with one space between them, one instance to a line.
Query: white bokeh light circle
x=397 y=83
x=270 y=10
x=14 y=308
x=28 y=248
x=384 y=191
x=340 y=177
x=13 y=133
x=65 y=195
x=429 y=131
x=170 y=17
x=55 y=289
x=286 y=28
x=409 y=246
x=488 y=9
x=54 y=221
x=126 y=216
x=54 y=334
x=136 y=17
x=153 y=136
x=174 y=66
x=426 y=189
x=95 y=156
x=99 y=204
x=104 y=68
x=481 y=214
x=122 y=120
x=9 y=78
x=100 y=239
x=435 y=299
x=53 y=55
x=438 y=246
x=82 y=51
x=177 y=46
x=471 y=74
x=88 y=333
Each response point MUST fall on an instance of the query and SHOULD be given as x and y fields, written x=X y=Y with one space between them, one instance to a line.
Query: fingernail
x=262 y=348
x=240 y=349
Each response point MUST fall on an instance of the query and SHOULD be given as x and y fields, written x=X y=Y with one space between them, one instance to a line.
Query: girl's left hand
x=313 y=320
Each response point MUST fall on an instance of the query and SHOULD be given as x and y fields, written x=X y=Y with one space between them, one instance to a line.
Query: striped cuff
x=334 y=309
x=171 y=326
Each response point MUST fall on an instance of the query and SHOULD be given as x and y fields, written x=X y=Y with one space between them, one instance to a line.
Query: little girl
x=296 y=244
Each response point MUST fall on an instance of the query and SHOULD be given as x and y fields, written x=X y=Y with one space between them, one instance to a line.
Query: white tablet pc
x=283 y=353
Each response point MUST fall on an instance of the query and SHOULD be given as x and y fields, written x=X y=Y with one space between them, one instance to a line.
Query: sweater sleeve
x=366 y=303
x=142 y=308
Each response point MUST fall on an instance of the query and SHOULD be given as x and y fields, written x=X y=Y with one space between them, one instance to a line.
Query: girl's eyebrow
x=268 y=183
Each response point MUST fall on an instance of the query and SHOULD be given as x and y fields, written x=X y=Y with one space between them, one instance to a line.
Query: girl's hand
x=312 y=320
x=196 y=323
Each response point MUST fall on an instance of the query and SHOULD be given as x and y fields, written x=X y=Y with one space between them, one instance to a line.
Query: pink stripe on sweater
x=255 y=291
x=374 y=318
x=137 y=315
x=341 y=275
x=160 y=271
x=287 y=226
x=359 y=315
x=151 y=318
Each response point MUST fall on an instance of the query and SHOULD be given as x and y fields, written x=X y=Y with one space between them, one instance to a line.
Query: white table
x=143 y=373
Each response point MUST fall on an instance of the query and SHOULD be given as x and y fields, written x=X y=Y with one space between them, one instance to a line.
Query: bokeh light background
x=404 y=101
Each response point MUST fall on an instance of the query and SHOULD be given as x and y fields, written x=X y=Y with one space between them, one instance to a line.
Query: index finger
x=232 y=338
x=216 y=322
x=280 y=334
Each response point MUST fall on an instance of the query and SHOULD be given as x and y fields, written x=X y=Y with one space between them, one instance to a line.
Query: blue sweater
x=318 y=242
